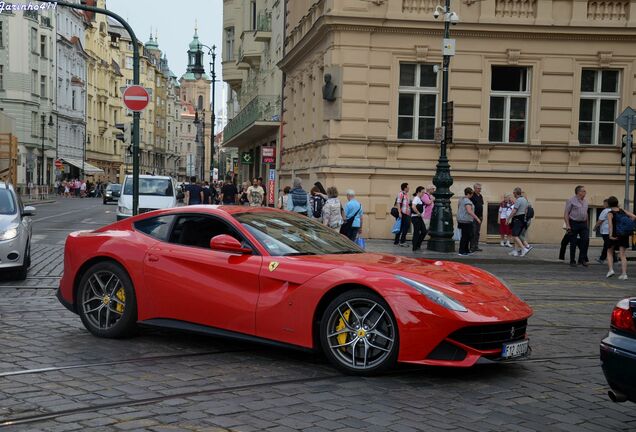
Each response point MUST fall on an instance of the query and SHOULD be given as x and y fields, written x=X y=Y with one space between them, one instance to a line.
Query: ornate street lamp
x=441 y=228
x=212 y=54
x=42 y=180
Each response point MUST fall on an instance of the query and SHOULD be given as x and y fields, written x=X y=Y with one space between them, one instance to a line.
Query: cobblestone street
x=55 y=376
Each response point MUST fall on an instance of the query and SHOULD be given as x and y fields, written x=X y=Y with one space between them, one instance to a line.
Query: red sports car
x=277 y=277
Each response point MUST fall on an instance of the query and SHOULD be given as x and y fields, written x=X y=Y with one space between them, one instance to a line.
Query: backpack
x=316 y=206
x=624 y=224
x=529 y=213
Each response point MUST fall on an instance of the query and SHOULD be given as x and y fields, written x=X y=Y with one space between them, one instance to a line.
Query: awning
x=88 y=168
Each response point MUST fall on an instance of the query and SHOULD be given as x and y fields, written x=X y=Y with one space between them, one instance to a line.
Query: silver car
x=15 y=233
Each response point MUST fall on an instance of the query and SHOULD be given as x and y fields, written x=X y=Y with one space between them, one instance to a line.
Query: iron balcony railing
x=264 y=22
x=261 y=108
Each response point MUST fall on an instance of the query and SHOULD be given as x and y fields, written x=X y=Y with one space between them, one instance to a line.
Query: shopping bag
x=360 y=242
x=457 y=234
x=396 y=226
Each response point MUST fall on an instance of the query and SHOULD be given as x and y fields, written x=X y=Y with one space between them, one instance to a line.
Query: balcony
x=233 y=74
x=250 y=51
x=263 y=27
x=259 y=118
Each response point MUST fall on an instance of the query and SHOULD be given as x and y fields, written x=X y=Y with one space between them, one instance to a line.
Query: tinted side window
x=157 y=227
x=196 y=230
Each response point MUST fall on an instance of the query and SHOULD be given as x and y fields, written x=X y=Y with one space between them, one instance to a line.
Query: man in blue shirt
x=194 y=193
x=298 y=200
x=353 y=211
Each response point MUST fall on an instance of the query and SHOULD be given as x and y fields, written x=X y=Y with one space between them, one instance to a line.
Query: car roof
x=227 y=210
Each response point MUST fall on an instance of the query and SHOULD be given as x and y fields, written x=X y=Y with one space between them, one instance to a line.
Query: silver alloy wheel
x=104 y=300
x=361 y=333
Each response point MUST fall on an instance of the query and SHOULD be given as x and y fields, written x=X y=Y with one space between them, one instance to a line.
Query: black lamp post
x=42 y=180
x=441 y=228
x=212 y=53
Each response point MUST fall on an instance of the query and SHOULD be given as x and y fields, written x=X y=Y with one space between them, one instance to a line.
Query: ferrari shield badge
x=273 y=266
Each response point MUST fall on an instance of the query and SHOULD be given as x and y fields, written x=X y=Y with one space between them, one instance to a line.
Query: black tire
x=113 y=320
x=380 y=342
x=105 y=202
x=22 y=271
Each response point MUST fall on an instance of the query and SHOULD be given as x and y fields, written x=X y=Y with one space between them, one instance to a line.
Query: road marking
x=54 y=216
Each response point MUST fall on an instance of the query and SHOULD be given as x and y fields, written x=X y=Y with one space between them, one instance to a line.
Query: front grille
x=447 y=351
x=490 y=336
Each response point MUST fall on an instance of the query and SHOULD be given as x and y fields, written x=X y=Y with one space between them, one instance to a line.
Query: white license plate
x=516 y=349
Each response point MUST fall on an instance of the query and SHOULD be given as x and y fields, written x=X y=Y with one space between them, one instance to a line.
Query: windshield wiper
x=345 y=252
x=299 y=253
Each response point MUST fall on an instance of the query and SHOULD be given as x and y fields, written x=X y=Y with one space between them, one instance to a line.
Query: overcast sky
x=174 y=23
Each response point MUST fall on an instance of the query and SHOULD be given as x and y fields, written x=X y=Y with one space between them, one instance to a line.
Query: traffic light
x=624 y=149
x=126 y=132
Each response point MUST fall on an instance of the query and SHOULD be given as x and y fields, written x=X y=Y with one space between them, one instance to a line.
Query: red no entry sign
x=136 y=98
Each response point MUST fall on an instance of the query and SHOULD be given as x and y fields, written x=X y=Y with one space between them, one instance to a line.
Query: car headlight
x=10 y=233
x=434 y=295
x=124 y=210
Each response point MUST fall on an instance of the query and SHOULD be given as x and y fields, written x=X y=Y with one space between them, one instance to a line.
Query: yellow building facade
x=536 y=87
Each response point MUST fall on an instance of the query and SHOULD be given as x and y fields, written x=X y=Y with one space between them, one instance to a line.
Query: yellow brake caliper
x=342 y=338
x=121 y=295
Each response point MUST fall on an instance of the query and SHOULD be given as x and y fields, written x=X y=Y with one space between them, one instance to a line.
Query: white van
x=155 y=192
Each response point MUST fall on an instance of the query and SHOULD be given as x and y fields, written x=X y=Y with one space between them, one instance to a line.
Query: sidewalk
x=541 y=254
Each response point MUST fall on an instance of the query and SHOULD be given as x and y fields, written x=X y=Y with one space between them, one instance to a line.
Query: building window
x=43 y=46
x=597 y=109
x=34 y=123
x=229 y=44
x=1 y=77
x=1 y=36
x=31 y=14
x=200 y=103
x=253 y=15
x=34 y=82
x=130 y=46
x=509 y=95
x=417 y=101
x=129 y=62
x=42 y=86
x=34 y=40
x=73 y=100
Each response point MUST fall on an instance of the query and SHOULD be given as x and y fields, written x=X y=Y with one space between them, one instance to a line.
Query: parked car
x=112 y=193
x=277 y=277
x=15 y=233
x=618 y=352
x=155 y=192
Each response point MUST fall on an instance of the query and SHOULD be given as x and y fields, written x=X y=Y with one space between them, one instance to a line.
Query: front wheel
x=358 y=333
x=106 y=301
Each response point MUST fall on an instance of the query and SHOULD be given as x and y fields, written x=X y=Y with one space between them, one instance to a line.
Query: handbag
x=457 y=234
x=397 y=226
x=345 y=229
x=361 y=242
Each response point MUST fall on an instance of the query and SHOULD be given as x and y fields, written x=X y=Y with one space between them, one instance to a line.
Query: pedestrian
x=207 y=193
x=256 y=194
x=404 y=214
x=478 y=201
x=83 y=189
x=517 y=221
x=282 y=199
x=602 y=225
x=465 y=218
x=229 y=194
x=194 y=192
x=321 y=188
x=575 y=217
x=429 y=202
x=528 y=219
x=332 y=210
x=621 y=226
x=417 y=218
x=316 y=202
x=244 y=199
x=505 y=208
x=298 y=200
x=353 y=215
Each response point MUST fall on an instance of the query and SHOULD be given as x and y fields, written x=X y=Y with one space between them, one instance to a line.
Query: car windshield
x=116 y=187
x=287 y=234
x=150 y=186
x=7 y=203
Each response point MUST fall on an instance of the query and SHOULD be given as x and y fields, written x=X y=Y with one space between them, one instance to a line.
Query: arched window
x=200 y=103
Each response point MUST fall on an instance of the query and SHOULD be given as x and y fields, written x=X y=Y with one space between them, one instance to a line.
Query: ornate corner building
x=536 y=87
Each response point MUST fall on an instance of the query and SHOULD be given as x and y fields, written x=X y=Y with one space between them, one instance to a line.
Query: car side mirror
x=227 y=243
x=28 y=211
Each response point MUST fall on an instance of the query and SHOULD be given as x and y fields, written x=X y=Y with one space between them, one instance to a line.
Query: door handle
x=153 y=258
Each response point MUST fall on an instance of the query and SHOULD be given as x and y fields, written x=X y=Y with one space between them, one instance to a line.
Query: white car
x=155 y=192
x=15 y=233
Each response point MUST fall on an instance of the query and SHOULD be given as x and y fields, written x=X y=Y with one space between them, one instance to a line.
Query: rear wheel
x=358 y=333
x=106 y=301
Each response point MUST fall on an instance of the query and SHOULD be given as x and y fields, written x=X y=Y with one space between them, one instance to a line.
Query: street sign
x=58 y=164
x=246 y=158
x=271 y=184
x=623 y=120
x=269 y=155
x=136 y=98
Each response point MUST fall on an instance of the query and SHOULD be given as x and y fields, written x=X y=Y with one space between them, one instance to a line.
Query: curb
x=35 y=203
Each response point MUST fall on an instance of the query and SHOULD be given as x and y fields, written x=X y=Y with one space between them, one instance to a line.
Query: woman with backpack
x=316 y=202
x=621 y=226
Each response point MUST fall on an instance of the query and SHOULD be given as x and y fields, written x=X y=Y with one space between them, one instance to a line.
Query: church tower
x=195 y=91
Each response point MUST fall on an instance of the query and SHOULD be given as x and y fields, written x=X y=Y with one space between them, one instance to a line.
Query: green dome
x=152 y=44
x=195 y=45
